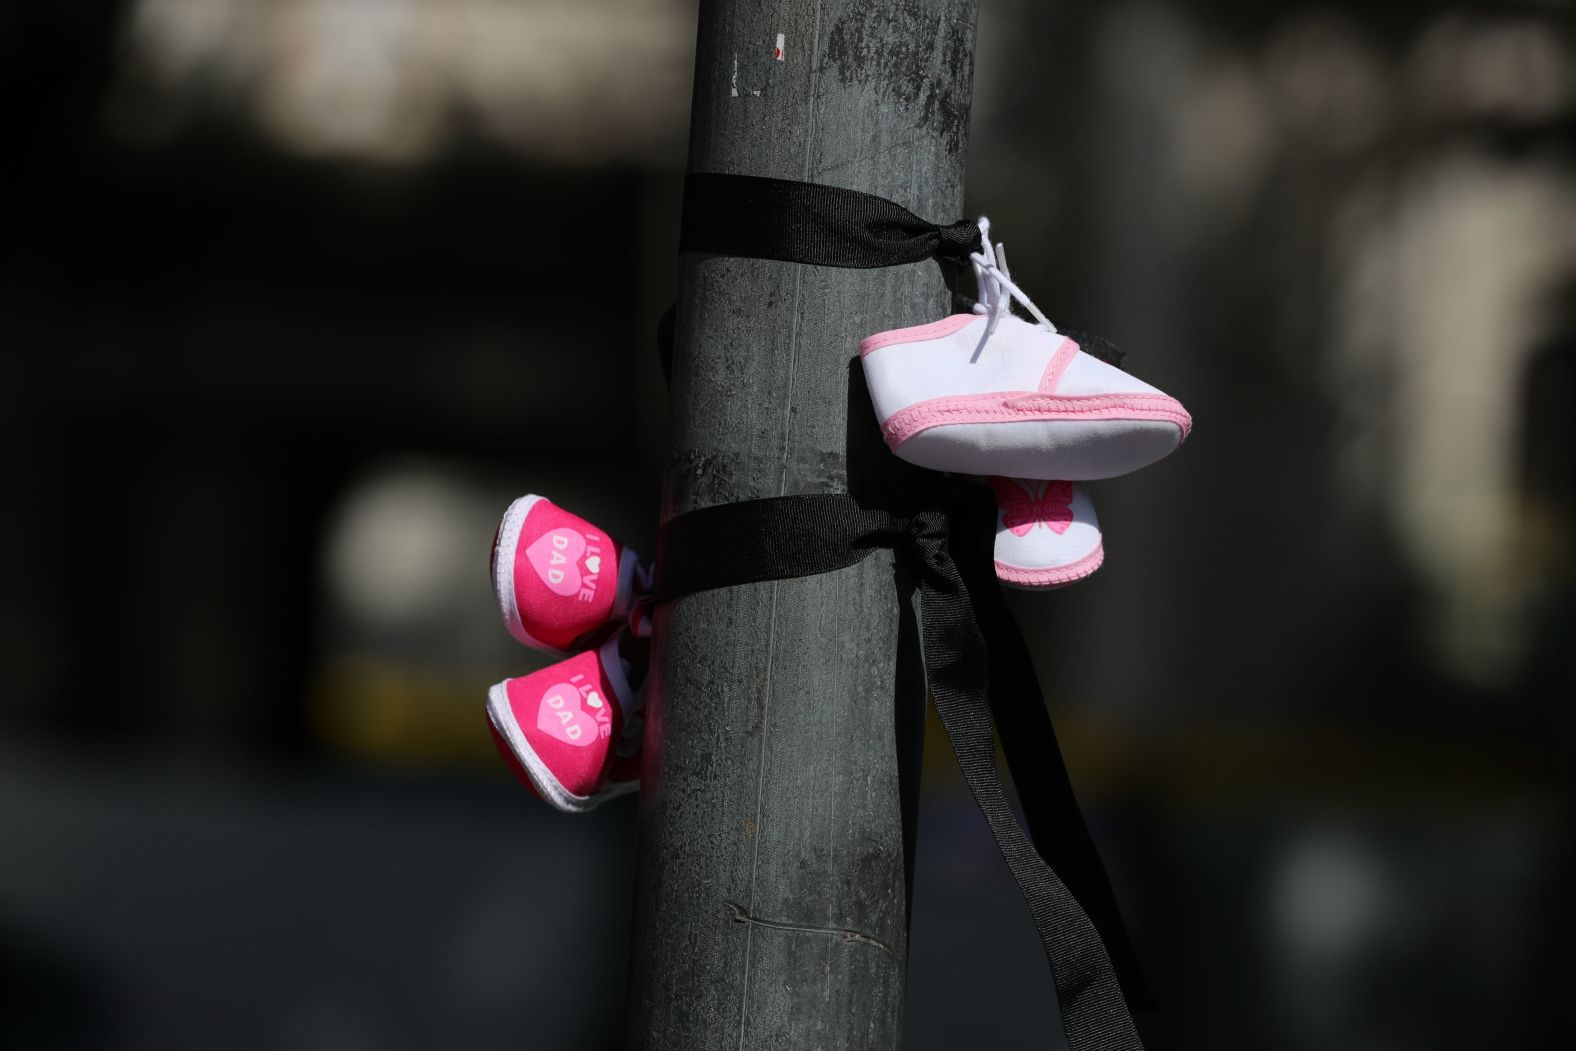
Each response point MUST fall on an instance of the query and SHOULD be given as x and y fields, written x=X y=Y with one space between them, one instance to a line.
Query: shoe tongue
x=617 y=672
x=632 y=582
x=1097 y=346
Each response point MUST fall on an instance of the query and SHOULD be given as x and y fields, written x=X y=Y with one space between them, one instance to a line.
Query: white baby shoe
x=991 y=394
x=1047 y=535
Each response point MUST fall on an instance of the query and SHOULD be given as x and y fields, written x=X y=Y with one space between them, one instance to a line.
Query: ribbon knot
x=959 y=240
x=927 y=530
x=956 y=528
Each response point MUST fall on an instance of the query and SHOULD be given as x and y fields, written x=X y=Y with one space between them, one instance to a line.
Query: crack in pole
x=742 y=915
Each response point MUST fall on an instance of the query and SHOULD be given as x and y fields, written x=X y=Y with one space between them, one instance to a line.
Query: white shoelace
x=996 y=288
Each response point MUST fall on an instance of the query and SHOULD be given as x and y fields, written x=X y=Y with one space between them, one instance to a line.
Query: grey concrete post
x=772 y=897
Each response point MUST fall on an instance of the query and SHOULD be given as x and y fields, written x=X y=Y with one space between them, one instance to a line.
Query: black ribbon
x=802 y=222
x=979 y=672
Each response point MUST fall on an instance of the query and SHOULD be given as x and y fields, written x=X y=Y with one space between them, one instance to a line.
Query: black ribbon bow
x=979 y=672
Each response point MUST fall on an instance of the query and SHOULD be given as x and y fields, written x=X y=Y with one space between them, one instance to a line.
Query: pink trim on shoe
x=1013 y=406
x=917 y=334
x=581 y=804
x=1055 y=577
x=1059 y=361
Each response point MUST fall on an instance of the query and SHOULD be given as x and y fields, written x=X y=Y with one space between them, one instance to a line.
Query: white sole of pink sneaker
x=547 y=786
x=503 y=573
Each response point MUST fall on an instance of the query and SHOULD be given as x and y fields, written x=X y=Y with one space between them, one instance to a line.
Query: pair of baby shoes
x=989 y=393
x=572 y=731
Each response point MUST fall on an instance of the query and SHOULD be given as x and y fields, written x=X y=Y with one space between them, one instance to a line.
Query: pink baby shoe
x=562 y=584
x=572 y=731
x=992 y=394
x=1047 y=535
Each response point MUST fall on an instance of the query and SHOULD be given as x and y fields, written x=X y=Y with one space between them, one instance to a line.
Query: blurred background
x=279 y=282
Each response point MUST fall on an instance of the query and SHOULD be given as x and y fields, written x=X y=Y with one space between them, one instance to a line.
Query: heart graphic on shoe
x=556 y=556
x=561 y=716
x=594 y=565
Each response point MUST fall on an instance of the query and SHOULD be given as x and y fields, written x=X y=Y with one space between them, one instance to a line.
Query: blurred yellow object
x=384 y=710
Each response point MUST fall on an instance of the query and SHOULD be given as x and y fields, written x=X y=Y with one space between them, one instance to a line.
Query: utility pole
x=782 y=742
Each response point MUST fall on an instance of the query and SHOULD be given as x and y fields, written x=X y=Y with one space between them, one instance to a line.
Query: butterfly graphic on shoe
x=1026 y=503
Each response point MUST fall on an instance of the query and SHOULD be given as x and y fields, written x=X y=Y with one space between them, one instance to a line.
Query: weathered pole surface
x=772 y=905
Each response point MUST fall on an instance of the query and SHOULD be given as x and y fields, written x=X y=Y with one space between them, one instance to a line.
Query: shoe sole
x=503 y=573
x=1054 y=577
x=501 y=714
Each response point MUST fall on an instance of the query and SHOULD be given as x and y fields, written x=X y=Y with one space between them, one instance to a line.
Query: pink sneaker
x=1047 y=535
x=989 y=393
x=562 y=584
x=572 y=731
